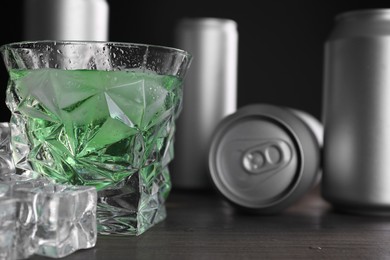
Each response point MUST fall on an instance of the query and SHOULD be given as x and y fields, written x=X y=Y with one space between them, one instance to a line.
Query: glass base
x=134 y=206
x=121 y=222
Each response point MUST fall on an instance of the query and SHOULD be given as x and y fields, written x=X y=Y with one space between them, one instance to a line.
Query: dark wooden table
x=201 y=225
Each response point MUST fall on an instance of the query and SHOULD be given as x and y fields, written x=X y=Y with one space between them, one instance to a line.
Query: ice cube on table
x=48 y=219
x=8 y=228
x=15 y=182
x=51 y=220
x=6 y=163
x=4 y=190
x=64 y=218
x=25 y=219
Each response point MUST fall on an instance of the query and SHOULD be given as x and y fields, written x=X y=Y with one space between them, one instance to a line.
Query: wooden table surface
x=201 y=225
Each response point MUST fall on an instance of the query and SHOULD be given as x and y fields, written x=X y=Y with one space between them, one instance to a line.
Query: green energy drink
x=94 y=127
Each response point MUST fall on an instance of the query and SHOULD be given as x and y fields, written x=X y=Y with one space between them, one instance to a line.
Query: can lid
x=370 y=13
x=263 y=158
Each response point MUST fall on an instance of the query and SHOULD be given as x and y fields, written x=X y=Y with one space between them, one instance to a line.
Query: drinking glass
x=100 y=114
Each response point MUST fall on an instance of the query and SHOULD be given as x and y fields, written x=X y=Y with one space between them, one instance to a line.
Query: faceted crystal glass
x=100 y=114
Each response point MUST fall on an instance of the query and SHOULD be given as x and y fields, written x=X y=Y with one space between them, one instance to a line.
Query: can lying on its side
x=263 y=158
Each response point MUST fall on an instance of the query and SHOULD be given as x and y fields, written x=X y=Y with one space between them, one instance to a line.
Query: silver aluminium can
x=356 y=112
x=66 y=20
x=264 y=158
x=209 y=94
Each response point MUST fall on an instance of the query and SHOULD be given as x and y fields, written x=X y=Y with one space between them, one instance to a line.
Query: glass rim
x=21 y=44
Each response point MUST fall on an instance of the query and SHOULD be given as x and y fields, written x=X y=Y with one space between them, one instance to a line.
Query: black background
x=280 y=42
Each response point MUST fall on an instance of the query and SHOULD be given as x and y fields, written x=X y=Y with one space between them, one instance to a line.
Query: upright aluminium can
x=209 y=94
x=356 y=112
x=66 y=20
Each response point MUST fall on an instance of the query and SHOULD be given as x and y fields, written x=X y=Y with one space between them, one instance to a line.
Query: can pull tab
x=269 y=156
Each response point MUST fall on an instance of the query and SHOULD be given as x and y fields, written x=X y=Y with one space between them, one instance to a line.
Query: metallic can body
x=210 y=94
x=356 y=113
x=263 y=158
x=66 y=20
